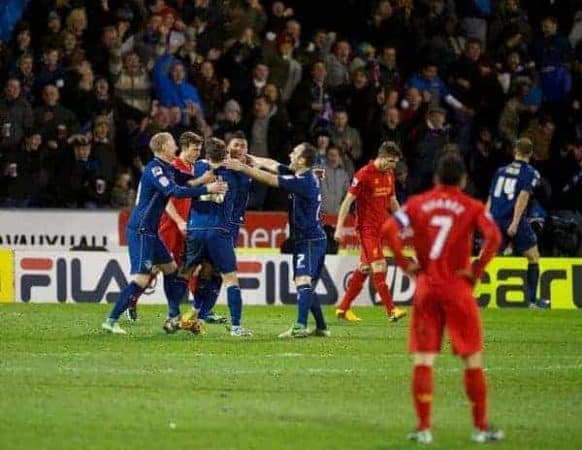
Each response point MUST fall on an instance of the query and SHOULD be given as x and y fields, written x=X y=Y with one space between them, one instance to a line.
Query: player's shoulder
x=155 y=168
x=201 y=163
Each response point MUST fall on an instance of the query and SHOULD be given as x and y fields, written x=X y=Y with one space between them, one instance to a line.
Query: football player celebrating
x=146 y=249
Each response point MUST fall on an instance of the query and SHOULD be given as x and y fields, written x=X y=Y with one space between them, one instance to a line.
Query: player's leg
x=141 y=255
x=209 y=301
x=223 y=259
x=131 y=311
x=527 y=245
x=425 y=338
x=318 y=261
x=379 y=278
x=465 y=332
x=303 y=283
x=355 y=285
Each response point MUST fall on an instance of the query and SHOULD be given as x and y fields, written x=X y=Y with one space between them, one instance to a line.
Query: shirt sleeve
x=167 y=186
x=284 y=170
x=357 y=182
x=298 y=184
x=528 y=180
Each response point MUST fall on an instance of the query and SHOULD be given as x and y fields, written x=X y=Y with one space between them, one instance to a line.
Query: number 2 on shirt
x=444 y=224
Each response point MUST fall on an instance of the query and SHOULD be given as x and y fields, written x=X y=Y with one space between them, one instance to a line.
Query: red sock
x=383 y=291
x=193 y=284
x=354 y=288
x=476 y=389
x=422 y=394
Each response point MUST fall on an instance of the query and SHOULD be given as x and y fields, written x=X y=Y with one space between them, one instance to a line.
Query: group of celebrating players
x=187 y=218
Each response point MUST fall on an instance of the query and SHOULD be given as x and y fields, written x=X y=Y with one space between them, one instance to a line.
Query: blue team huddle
x=220 y=187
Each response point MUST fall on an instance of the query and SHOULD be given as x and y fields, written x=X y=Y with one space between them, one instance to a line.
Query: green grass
x=66 y=385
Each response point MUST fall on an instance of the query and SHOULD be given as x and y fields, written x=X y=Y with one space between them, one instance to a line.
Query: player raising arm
x=373 y=190
x=306 y=230
x=146 y=249
x=443 y=222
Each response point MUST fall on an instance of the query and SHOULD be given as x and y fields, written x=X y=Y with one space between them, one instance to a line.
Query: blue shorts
x=234 y=230
x=146 y=251
x=308 y=258
x=214 y=245
x=524 y=239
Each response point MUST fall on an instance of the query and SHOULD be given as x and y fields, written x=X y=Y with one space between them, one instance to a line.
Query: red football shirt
x=372 y=189
x=182 y=205
x=443 y=221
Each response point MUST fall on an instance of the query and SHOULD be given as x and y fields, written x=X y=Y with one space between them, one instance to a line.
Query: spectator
x=23 y=175
x=81 y=184
x=51 y=117
x=103 y=149
x=427 y=142
x=552 y=48
x=335 y=183
x=172 y=88
x=25 y=74
x=132 y=83
x=122 y=194
x=15 y=114
x=337 y=65
x=285 y=72
x=390 y=76
x=347 y=139
x=310 y=105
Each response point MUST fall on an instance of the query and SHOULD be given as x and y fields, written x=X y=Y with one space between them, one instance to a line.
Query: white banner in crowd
x=59 y=229
x=94 y=277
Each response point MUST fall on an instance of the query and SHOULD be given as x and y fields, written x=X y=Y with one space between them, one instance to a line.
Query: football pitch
x=64 y=384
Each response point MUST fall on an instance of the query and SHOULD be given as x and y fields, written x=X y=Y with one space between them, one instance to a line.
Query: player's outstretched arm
x=265 y=163
x=341 y=216
x=256 y=174
x=207 y=177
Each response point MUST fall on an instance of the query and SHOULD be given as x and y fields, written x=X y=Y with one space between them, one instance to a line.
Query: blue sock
x=175 y=289
x=304 y=300
x=532 y=277
x=131 y=291
x=317 y=312
x=212 y=297
x=202 y=291
x=234 y=300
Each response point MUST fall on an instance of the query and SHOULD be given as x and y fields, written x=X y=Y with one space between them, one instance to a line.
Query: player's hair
x=309 y=154
x=389 y=148
x=524 y=147
x=158 y=140
x=236 y=135
x=189 y=138
x=450 y=169
x=215 y=150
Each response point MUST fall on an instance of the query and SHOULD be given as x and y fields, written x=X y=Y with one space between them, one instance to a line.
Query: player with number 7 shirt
x=443 y=222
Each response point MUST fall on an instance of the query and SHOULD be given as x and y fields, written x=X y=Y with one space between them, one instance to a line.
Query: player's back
x=444 y=220
x=214 y=211
x=241 y=198
x=304 y=204
x=506 y=185
x=151 y=202
x=373 y=189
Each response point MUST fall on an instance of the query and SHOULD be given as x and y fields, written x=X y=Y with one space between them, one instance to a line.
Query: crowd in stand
x=87 y=83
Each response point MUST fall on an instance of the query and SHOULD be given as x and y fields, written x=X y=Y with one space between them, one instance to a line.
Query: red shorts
x=371 y=248
x=174 y=241
x=451 y=305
